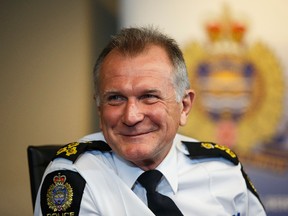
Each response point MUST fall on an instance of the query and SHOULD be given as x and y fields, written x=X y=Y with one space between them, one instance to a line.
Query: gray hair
x=133 y=41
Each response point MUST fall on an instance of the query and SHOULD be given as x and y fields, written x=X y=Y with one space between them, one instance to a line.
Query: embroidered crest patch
x=60 y=194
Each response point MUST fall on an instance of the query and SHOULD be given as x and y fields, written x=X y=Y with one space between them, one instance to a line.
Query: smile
x=135 y=133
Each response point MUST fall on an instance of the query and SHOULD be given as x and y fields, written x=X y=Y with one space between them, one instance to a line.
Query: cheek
x=164 y=115
x=173 y=117
x=109 y=115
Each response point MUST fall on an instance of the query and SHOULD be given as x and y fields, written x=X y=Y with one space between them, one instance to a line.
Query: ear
x=187 y=102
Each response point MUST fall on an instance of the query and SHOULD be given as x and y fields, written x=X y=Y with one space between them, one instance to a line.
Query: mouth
x=135 y=133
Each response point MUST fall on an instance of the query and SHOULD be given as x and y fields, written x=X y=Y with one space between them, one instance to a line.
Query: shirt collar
x=129 y=173
x=169 y=168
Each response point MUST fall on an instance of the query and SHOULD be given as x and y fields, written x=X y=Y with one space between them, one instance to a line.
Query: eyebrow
x=145 y=91
x=151 y=91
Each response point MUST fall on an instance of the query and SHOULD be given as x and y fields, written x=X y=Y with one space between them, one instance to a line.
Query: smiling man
x=138 y=108
x=138 y=164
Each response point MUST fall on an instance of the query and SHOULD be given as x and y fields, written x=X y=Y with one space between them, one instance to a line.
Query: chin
x=136 y=151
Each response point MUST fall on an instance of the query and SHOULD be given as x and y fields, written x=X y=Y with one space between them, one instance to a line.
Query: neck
x=149 y=164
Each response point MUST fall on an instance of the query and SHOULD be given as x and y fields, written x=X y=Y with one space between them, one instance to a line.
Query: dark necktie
x=159 y=204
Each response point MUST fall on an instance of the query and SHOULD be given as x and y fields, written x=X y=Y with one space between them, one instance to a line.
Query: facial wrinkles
x=127 y=125
x=131 y=68
x=137 y=117
x=137 y=85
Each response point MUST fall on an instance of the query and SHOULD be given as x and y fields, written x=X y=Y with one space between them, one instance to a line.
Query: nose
x=132 y=114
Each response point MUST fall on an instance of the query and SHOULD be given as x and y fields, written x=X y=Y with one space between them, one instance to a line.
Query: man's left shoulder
x=200 y=150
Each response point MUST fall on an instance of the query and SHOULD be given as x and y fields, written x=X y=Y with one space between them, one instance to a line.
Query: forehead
x=152 y=63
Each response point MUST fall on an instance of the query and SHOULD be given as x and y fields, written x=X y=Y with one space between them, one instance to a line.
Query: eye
x=149 y=98
x=115 y=99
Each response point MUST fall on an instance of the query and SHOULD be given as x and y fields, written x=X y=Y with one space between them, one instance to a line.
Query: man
x=143 y=95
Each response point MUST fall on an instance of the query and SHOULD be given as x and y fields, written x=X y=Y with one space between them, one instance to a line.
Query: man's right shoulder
x=73 y=150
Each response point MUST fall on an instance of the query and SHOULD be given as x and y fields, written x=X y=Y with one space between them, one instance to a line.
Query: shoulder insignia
x=73 y=150
x=250 y=185
x=61 y=193
x=210 y=150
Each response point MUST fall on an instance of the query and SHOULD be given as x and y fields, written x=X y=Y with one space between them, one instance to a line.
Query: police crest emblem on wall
x=240 y=94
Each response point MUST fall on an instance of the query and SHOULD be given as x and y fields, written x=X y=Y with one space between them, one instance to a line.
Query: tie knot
x=150 y=179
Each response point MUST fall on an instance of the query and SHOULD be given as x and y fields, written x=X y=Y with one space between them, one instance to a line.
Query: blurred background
x=47 y=52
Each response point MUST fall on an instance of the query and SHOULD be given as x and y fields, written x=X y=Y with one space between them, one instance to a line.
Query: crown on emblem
x=59 y=180
x=225 y=28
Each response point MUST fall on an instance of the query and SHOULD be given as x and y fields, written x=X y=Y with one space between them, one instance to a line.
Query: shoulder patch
x=61 y=193
x=73 y=150
x=210 y=150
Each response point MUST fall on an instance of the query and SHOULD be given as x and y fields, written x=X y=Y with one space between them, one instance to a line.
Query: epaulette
x=73 y=150
x=62 y=190
x=199 y=150
x=210 y=150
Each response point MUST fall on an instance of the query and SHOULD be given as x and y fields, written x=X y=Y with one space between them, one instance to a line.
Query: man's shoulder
x=73 y=150
x=202 y=150
x=93 y=136
x=196 y=149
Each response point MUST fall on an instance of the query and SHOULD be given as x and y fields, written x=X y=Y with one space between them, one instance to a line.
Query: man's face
x=139 y=115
